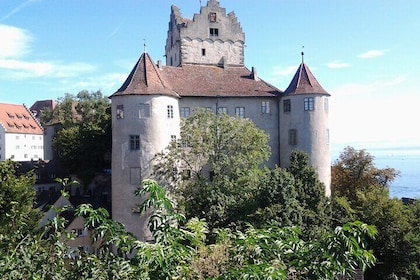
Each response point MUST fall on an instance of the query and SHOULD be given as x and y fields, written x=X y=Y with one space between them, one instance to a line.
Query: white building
x=21 y=136
x=205 y=69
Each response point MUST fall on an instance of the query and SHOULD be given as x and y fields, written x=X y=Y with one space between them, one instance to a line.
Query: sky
x=364 y=53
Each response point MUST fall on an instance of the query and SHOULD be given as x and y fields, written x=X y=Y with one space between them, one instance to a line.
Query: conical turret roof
x=304 y=82
x=145 y=79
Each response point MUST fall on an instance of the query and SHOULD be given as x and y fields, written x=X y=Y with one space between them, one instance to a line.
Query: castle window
x=327 y=136
x=286 y=105
x=173 y=138
x=134 y=142
x=213 y=17
x=203 y=52
x=326 y=106
x=308 y=103
x=170 y=110
x=292 y=137
x=222 y=110
x=240 y=112
x=214 y=32
x=120 y=111
x=185 y=112
x=265 y=107
x=144 y=111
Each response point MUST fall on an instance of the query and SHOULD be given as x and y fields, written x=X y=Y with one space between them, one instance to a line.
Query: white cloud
x=20 y=69
x=14 y=48
x=15 y=42
x=372 y=54
x=337 y=65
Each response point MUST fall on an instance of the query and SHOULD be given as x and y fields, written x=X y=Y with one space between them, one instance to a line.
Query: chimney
x=254 y=74
x=224 y=61
x=159 y=64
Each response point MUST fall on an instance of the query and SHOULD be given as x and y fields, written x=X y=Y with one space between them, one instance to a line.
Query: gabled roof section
x=213 y=81
x=304 y=82
x=145 y=79
x=40 y=105
x=18 y=119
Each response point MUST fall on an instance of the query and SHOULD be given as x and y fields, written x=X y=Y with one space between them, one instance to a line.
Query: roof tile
x=17 y=119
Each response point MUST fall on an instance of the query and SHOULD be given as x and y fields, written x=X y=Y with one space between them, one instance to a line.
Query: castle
x=205 y=69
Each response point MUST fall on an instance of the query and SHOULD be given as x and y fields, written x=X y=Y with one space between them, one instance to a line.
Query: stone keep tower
x=212 y=37
x=145 y=118
x=304 y=123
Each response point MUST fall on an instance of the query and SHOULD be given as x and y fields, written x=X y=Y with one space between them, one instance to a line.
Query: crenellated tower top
x=212 y=37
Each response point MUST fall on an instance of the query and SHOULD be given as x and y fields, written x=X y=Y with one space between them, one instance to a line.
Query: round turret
x=304 y=123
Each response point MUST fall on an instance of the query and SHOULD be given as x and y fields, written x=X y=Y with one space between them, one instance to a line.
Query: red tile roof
x=18 y=119
x=194 y=80
x=304 y=82
x=145 y=79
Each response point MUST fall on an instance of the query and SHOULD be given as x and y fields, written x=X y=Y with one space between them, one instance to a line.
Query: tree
x=215 y=166
x=310 y=193
x=276 y=200
x=271 y=252
x=360 y=191
x=16 y=202
x=83 y=144
x=355 y=171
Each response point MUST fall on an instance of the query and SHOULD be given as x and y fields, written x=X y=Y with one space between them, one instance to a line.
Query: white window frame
x=240 y=112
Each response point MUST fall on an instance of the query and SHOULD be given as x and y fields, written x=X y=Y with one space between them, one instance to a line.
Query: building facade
x=21 y=135
x=205 y=69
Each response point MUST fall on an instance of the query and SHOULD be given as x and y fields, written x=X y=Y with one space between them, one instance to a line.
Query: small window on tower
x=286 y=105
x=213 y=17
x=203 y=52
x=120 y=111
x=308 y=104
x=170 y=111
x=214 y=32
x=134 y=142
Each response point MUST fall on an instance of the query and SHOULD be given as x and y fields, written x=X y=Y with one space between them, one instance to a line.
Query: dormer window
x=214 y=32
x=212 y=17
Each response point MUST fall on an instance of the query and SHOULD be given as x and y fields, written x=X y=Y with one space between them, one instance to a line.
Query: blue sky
x=364 y=53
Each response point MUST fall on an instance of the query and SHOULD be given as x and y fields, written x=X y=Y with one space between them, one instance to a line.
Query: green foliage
x=16 y=202
x=256 y=253
x=355 y=171
x=83 y=143
x=179 y=250
x=311 y=197
x=360 y=191
x=222 y=154
x=276 y=200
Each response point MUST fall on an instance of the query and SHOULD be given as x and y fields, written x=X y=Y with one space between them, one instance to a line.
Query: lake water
x=405 y=160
